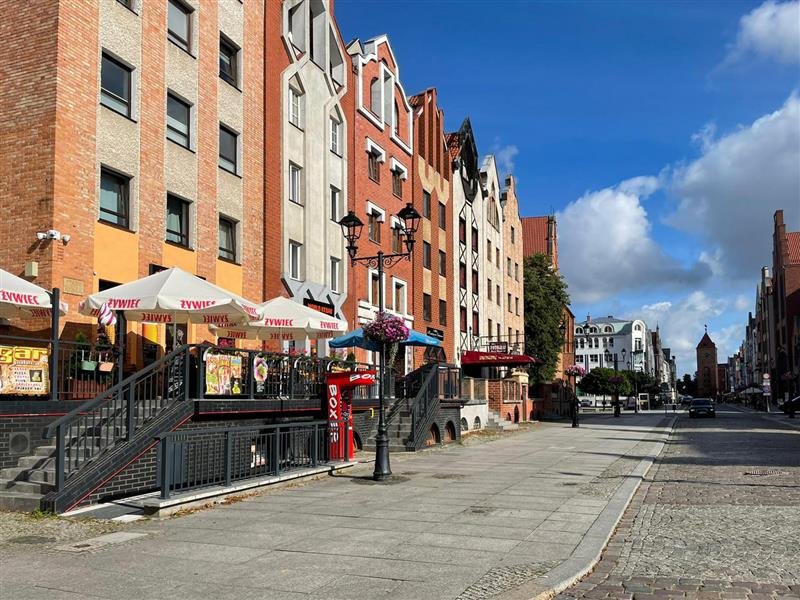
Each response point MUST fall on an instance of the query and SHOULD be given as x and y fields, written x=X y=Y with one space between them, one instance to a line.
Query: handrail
x=94 y=402
x=204 y=430
x=421 y=407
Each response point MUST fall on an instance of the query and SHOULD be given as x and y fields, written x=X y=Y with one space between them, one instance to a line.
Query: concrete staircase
x=22 y=487
x=498 y=423
x=399 y=429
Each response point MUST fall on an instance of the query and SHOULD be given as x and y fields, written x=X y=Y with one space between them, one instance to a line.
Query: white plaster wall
x=470 y=411
x=491 y=310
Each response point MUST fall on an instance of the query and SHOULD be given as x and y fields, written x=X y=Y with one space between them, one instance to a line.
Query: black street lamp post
x=351 y=229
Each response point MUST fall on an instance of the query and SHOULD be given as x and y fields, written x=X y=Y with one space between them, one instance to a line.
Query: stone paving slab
x=464 y=521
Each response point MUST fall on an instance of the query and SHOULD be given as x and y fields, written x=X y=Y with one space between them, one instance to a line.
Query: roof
x=793 y=246
x=706 y=342
x=534 y=235
x=453 y=141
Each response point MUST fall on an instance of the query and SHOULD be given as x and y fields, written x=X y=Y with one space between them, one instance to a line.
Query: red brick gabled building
x=786 y=298
x=540 y=236
x=433 y=256
x=381 y=163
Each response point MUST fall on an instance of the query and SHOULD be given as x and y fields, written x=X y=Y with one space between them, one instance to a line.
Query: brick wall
x=29 y=417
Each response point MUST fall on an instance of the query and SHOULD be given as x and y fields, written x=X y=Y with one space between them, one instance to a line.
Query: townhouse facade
x=513 y=246
x=494 y=299
x=598 y=342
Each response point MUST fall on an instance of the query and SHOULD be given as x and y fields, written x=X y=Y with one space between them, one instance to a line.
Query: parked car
x=586 y=402
x=702 y=407
x=686 y=400
x=791 y=405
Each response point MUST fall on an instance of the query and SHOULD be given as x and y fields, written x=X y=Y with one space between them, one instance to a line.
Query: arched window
x=396 y=119
x=579 y=331
x=608 y=329
x=637 y=327
x=375 y=95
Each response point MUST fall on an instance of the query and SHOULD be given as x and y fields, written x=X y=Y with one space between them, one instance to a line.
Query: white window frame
x=374 y=301
x=296 y=107
x=295 y=254
x=295 y=195
x=404 y=285
x=336 y=193
x=397 y=166
x=373 y=148
x=336 y=136
x=336 y=274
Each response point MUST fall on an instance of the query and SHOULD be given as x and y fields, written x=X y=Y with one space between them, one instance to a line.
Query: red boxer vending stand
x=340 y=410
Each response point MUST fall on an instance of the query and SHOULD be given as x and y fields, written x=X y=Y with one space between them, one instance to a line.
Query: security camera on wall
x=53 y=234
x=41 y=235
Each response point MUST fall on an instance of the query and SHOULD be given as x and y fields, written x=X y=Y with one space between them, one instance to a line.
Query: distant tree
x=687 y=385
x=545 y=298
x=597 y=382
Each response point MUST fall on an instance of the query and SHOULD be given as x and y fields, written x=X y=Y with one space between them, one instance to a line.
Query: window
x=426 y=204
x=397 y=238
x=513 y=235
x=509 y=302
x=426 y=307
x=442 y=263
x=114 y=194
x=610 y=342
x=177 y=120
x=335 y=195
x=508 y=267
x=227 y=238
x=489 y=248
x=490 y=328
x=374 y=288
x=374 y=167
x=462 y=231
x=336 y=136
x=462 y=275
x=489 y=289
x=375 y=96
x=593 y=358
x=374 y=223
x=228 y=59
x=476 y=330
x=295 y=184
x=463 y=319
x=399 y=297
x=474 y=281
x=475 y=239
x=426 y=255
x=516 y=271
x=227 y=149
x=177 y=221
x=115 y=86
x=295 y=263
x=335 y=277
x=397 y=183
x=516 y=306
x=442 y=216
x=497 y=294
x=295 y=107
x=442 y=312
x=179 y=26
x=579 y=358
x=496 y=257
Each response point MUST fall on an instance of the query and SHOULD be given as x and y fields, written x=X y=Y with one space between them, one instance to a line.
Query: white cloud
x=504 y=157
x=681 y=323
x=605 y=245
x=729 y=194
x=771 y=31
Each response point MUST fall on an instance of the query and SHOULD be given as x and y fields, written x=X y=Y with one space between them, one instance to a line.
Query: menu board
x=24 y=370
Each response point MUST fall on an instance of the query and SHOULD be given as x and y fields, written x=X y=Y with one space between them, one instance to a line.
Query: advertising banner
x=24 y=370
x=223 y=374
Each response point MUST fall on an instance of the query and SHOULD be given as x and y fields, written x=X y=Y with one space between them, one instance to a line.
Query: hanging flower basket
x=575 y=371
x=387 y=330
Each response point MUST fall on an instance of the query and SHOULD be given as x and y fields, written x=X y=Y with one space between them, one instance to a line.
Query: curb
x=588 y=552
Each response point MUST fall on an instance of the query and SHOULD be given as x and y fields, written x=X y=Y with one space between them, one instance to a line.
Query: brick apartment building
x=432 y=261
x=138 y=129
x=513 y=245
x=786 y=308
x=381 y=168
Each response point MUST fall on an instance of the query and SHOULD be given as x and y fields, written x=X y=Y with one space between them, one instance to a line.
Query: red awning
x=494 y=359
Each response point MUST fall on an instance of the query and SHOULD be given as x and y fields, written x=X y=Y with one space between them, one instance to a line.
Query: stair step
x=45 y=451
x=28 y=487
x=36 y=462
x=19 y=501
x=42 y=476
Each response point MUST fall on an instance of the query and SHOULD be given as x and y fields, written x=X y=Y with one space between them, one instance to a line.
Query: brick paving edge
x=588 y=552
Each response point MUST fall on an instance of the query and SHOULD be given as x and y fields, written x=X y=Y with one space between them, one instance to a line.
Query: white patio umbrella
x=21 y=298
x=285 y=319
x=174 y=296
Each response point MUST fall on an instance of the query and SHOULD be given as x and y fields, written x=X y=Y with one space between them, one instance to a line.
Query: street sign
x=498 y=347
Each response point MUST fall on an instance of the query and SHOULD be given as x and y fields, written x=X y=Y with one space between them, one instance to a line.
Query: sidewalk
x=510 y=518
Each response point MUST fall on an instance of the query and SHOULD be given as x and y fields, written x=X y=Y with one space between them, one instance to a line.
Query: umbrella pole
x=120 y=335
x=55 y=310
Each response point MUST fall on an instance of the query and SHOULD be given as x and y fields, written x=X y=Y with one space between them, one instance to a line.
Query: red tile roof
x=453 y=144
x=793 y=246
x=534 y=235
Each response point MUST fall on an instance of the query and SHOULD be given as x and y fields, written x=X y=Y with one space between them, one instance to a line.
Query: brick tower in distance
x=707 y=384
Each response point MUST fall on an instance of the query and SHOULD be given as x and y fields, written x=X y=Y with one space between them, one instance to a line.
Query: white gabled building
x=599 y=341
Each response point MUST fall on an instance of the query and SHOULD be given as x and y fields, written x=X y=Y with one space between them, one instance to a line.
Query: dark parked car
x=792 y=405
x=702 y=407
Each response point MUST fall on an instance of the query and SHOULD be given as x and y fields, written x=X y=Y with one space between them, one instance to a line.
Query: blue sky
x=578 y=97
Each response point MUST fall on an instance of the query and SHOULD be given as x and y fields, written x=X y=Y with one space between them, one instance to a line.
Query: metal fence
x=191 y=459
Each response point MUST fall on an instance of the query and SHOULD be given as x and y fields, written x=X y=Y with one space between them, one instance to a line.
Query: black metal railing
x=83 y=370
x=441 y=383
x=197 y=458
x=90 y=429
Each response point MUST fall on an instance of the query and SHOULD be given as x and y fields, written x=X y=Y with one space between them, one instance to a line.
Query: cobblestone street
x=717 y=517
